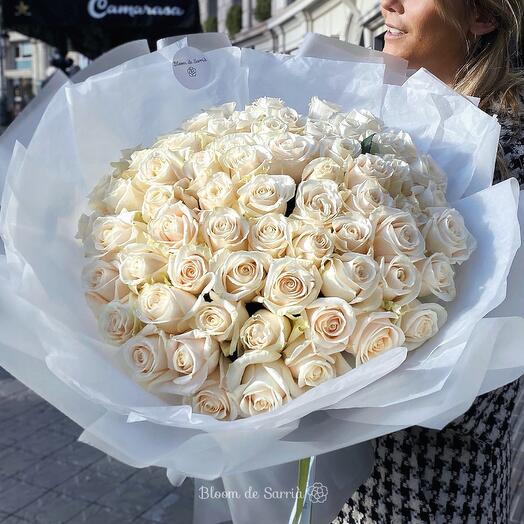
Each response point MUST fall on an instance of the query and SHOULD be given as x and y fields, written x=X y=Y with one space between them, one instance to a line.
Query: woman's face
x=417 y=33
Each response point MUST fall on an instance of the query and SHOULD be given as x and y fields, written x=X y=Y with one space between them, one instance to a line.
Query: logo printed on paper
x=101 y=8
x=191 y=68
x=318 y=493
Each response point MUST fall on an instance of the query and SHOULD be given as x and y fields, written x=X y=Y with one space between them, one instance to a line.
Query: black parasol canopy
x=95 y=26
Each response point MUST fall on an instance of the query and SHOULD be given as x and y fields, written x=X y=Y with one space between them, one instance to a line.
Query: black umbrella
x=95 y=26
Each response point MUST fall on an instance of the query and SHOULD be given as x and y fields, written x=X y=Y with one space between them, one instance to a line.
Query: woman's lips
x=393 y=32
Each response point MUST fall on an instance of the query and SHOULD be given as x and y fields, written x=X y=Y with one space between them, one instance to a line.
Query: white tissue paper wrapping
x=58 y=353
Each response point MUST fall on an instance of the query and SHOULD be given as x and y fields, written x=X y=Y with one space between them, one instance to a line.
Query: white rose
x=270 y=234
x=188 y=269
x=319 y=129
x=267 y=105
x=174 y=225
x=359 y=125
x=161 y=167
x=353 y=232
x=196 y=123
x=176 y=141
x=425 y=170
x=101 y=283
x=261 y=381
x=167 y=307
x=290 y=154
x=222 y=110
x=112 y=233
x=201 y=164
x=145 y=356
x=401 y=280
x=215 y=400
x=222 y=320
x=341 y=150
x=136 y=158
x=245 y=161
x=438 y=277
x=98 y=194
x=294 y=121
x=192 y=357
x=354 y=278
x=220 y=146
x=411 y=205
x=445 y=232
x=220 y=126
x=265 y=194
x=397 y=234
x=240 y=275
x=311 y=243
x=156 y=197
x=331 y=322
x=219 y=191
x=224 y=228
x=366 y=197
x=140 y=263
x=324 y=168
x=430 y=196
x=317 y=202
x=123 y=195
x=117 y=322
x=269 y=124
x=396 y=143
x=389 y=173
x=265 y=330
x=421 y=322
x=291 y=285
x=309 y=368
x=374 y=333
x=322 y=109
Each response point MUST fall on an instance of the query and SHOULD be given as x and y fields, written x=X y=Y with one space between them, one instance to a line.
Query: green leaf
x=367 y=144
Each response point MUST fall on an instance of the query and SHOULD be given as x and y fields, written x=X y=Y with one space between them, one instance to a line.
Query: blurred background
x=46 y=476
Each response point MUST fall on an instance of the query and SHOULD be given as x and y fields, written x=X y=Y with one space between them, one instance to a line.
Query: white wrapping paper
x=60 y=355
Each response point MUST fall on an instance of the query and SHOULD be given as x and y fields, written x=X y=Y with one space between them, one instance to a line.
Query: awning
x=95 y=26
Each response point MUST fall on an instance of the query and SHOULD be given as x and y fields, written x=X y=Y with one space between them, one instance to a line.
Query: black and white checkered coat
x=460 y=474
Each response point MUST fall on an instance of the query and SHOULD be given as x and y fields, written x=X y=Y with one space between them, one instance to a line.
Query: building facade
x=280 y=25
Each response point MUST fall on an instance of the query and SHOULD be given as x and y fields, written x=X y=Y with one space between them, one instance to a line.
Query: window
x=24 y=55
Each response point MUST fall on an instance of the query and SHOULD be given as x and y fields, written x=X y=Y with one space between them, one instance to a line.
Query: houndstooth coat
x=460 y=474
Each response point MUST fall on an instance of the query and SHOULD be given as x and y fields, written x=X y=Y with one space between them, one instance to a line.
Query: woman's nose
x=392 y=6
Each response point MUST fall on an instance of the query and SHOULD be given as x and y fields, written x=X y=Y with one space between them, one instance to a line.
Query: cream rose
x=201 y=165
x=421 y=322
x=215 y=400
x=374 y=334
x=295 y=123
x=167 y=307
x=353 y=232
x=390 y=175
x=240 y=275
x=123 y=195
x=367 y=197
x=290 y=153
x=445 y=232
x=269 y=124
x=265 y=330
x=188 y=269
x=322 y=109
x=265 y=194
x=222 y=320
x=161 y=167
x=117 y=322
x=192 y=357
x=218 y=191
x=174 y=225
x=193 y=140
x=224 y=228
x=396 y=143
x=270 y=234
x=244 y=161
x=401 y=280
x=341 y=150
x=425 y=170
x=309 y=368
x=354 y=278
x=140 y=263
x=324 y=168
x=430 y=196
x=330 y=322
x=397 y=233
x=112 y=233
x=438 y=277
x=291 y=285
x=156 y=197
x=261 y=381
x=318 y=129
x=101 y=283
x=317 y=202
x=145 y=356
x=311 y=243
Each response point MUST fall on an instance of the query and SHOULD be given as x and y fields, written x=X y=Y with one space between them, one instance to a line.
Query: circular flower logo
x=318 y=493
x=191 y=71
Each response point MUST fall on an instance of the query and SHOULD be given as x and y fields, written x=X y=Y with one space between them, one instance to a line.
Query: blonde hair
x=491 y=70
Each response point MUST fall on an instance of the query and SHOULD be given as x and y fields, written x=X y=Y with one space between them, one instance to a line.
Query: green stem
x=303 y=473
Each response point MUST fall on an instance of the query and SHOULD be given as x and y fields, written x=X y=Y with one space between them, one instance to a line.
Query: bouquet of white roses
x=238 y=264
